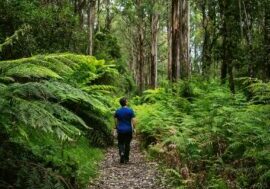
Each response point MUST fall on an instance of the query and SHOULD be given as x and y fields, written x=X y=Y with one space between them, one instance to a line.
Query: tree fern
x=59 y=96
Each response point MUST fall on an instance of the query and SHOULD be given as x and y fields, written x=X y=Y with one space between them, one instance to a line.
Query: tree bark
x=154 y=50
x=206 y=54
x=109 y=16
x=91 y=23
x=184 y=39
x=267 y=41
x=140 y=60
x=79 y=5
x=224 y=66
x=248 y=35
x=175 y=44
x=228 y=44
x=169 y=41
x=98 y=15
x=211 y=35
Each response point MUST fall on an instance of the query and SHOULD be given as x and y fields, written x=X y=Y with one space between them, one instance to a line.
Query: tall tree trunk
x=154 y=50
x=206 y=54
x=209 y=24
x=267 y=41
x=248 y=35
x=169 y=41
x=109 y=16
x=184 y=39
x=140 y=62
x=79 y=5
x=91 y=23
x=175 y=45
x=228 y=43
x=224 y=66
x=240 y=17
x=98 y=15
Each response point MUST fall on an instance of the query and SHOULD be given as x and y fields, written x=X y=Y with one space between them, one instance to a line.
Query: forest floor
x=138 y=173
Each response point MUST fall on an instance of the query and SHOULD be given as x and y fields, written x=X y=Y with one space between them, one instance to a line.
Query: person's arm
x=133 y=125
x=133 y=122
x=115 y=125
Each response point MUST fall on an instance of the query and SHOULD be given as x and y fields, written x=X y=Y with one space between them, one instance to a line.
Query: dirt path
x=139 y=173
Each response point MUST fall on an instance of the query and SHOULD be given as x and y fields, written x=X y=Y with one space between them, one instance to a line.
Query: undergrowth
x=55 y=111
x=208 y=137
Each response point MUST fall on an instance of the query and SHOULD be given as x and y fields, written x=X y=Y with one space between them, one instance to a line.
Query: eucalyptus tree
x=91 y=24
x=154 y=17
x=180 y=65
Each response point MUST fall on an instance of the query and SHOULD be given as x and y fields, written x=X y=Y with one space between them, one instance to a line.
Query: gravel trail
x=139 y=173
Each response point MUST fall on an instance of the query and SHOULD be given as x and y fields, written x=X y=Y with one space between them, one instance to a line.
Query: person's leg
x=121 y=146
x=128 y=138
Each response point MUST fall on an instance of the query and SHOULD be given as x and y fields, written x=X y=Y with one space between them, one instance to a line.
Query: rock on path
x=139 y=173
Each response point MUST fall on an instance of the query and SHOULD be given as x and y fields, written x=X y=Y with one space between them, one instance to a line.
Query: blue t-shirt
x=124 y=116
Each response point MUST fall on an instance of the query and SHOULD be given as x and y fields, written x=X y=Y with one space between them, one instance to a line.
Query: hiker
x=125 y=126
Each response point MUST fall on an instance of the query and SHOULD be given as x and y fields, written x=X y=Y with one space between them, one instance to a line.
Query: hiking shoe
x=126 y=160
x=122 y=159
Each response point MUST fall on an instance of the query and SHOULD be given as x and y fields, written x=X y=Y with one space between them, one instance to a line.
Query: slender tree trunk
x=240 y=17
x=147 y=70
x=154 y=50
x=224 y=66
x=267 y=41
x=98 y=15
x=210 y=28
x=248 y=35
x=109 y=16
x=184 y=39
x=141 y=58
x=206 y=55
x=169 y=39
x=175 y=45
x=78 y=9
x=91 y=23
x=231 y=77
x=140 y=46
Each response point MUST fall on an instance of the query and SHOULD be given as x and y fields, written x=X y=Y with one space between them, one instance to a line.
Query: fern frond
x=99 y=88
x=45 y=116
x=31 y=71
x=261 y=92
x=6 y=79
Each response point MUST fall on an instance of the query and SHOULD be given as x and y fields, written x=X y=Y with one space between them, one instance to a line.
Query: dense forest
x=195 y=72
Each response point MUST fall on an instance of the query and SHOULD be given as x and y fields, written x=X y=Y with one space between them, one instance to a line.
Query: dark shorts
x=124 y=137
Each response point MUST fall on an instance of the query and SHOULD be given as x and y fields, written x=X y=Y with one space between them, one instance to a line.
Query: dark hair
x=123 y=101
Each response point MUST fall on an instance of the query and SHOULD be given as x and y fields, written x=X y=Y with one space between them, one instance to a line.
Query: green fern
x=57 y=99
x=31 y=71
x=217 y=134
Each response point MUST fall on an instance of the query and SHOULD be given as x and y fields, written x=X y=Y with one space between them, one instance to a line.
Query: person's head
x=123 y=101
